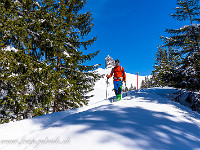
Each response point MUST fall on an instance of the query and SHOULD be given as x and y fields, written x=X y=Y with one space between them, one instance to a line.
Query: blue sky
x=130 y=30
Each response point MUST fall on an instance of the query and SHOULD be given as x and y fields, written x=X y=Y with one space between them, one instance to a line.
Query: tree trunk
x=55 y=109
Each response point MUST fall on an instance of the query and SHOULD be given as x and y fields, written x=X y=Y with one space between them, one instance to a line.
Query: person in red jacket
x=119 y=77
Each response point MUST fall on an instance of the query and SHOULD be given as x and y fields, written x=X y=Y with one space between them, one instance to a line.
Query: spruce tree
x=18 y=68
x=66 y=30
x=147 y=82
x=185 y=42
x=162 y=67
x=48 y=66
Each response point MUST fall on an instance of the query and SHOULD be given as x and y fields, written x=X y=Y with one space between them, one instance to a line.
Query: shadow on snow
x=153 y=129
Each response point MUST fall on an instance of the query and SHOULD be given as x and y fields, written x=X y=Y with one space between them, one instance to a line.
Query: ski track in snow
x=140 y=121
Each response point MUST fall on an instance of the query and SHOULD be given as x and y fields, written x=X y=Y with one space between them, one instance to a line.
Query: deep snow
x=147 y=120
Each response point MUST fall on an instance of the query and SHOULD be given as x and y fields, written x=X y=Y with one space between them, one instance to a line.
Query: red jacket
x=119 y=73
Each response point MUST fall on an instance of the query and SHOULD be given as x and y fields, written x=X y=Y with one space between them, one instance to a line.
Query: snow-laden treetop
x=10 y=48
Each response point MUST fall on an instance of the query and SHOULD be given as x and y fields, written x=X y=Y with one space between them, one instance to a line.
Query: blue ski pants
x=118 y=87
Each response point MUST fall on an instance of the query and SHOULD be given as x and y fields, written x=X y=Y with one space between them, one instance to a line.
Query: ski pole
x=107 y=89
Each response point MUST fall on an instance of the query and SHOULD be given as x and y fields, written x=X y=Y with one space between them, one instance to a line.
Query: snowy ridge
x=147 y=120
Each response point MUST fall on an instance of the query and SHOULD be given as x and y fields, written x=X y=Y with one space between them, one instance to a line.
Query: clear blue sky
x=130 y=30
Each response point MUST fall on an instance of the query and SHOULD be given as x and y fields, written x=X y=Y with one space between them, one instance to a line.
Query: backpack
x=122 y=74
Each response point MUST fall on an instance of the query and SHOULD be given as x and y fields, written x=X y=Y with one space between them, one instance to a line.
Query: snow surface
x=147 y=120
x=10 y=48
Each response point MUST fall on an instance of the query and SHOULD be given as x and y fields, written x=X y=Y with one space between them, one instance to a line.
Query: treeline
x=126 y=89
x=45 y=72
x=177 y=62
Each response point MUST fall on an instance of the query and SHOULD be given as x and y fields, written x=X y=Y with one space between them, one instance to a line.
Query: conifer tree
x=67 y=29
x=48 y=66
x=185 y=42
x=162 y=67
x=147 y=82
x=19 y=70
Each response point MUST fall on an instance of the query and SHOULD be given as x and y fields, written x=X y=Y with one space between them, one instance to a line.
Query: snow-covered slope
x=147 y=120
